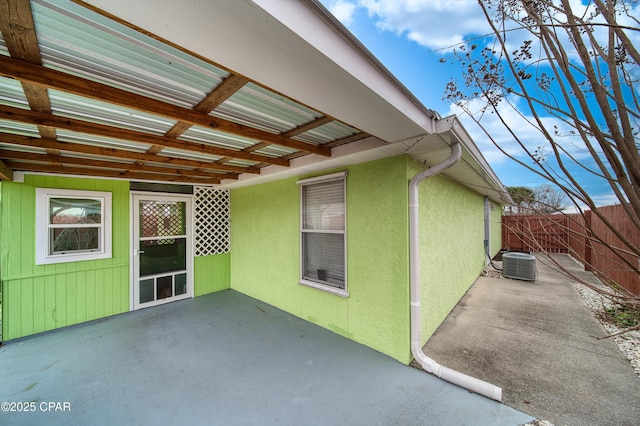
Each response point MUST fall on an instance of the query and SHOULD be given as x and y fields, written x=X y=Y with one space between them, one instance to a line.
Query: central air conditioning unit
x=520 y=266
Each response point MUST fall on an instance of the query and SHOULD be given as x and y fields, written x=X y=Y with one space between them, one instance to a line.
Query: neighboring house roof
x=215 y=92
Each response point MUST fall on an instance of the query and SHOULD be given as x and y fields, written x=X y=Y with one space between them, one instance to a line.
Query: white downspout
x=487 y=231
x=471 y=383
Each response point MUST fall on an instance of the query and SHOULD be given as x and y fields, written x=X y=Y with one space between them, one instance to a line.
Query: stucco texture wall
x=496 y=228
x=451 y=245
x=265 y=258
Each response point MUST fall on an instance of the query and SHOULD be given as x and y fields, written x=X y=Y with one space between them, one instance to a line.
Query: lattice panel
x=212 y=221
x=162 y=218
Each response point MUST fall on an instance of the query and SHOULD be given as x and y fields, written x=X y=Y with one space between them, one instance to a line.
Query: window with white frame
x=323 y=232
x=72 y=225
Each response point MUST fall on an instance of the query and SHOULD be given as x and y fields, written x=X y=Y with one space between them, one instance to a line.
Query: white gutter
x=471 y=383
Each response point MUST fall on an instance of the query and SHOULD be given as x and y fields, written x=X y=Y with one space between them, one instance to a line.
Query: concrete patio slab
x=537 y=341
x=226 y=359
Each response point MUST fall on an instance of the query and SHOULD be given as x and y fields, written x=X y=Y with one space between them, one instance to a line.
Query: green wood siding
x=211 y=273
x=38 y=298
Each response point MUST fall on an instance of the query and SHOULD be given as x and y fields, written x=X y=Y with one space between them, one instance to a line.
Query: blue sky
x=410 y=37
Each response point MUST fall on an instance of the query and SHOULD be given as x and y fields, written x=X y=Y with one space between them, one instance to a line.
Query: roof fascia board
x=453 y=124
x=363 y=150
x=310 y=20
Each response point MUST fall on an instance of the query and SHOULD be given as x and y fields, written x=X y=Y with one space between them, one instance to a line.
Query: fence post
x=587 y=241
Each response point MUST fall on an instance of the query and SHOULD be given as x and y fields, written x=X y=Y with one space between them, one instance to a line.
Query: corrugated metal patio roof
x=140 y=116
x=84 y=92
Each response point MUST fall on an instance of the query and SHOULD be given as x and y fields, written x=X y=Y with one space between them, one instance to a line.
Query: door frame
x=134 y=197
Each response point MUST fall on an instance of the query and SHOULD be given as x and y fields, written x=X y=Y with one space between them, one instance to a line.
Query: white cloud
x=343 y=10
x=434 y=24
x=492 y=124
x=441 y=24
x=523 y=126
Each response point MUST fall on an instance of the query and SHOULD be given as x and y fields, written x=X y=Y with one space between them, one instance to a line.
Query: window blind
x=323 y=232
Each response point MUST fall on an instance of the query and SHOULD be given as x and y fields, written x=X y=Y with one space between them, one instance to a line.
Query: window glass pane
x=72 y=225
x=180 y=284
x=162 y=218
x=146 y=291
x=74 y=211
x=323 y=206
x=65 y=240
x=323 y=256
x=164 y=287
x=163 y=256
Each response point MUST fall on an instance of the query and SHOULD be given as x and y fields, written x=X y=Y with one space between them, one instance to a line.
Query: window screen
x=323 y=232
x=72 y=225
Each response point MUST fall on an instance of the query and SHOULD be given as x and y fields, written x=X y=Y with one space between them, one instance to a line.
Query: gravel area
x=628 y=343
x=539 y=423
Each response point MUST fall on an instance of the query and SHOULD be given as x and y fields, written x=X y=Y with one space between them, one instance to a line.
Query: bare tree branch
x=573 y=69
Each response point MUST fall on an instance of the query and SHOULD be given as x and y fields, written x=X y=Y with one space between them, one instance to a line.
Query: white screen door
x=162 y=254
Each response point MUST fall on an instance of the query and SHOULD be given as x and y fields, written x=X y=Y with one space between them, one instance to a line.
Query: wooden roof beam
x=218 y=95
x=300 y=129
x=129 y=167
x=308 y=126
x=256 y=147
x=121 y=153
x=38 y=118
x=18 y=30
x=5 y=172
x=46 y=77
x=83 y=171
x=342 y=141
x=347 y=139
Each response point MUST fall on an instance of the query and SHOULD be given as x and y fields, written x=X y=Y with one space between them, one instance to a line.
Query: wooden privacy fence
x=535 y=233
x=586 y=238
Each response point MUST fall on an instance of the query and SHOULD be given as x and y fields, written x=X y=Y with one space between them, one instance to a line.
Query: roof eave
x=293 y=47
x=473 y=170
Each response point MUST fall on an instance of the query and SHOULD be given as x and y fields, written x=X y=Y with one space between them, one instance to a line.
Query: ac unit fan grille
x=520 y=266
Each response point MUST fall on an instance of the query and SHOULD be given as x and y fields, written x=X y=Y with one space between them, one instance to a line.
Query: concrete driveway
x=223 y=359
x=537 y=341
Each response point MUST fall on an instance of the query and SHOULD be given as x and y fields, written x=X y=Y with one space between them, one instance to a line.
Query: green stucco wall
x=265 y=259
x=38 y=298
x=496 y=228
x=451 y=246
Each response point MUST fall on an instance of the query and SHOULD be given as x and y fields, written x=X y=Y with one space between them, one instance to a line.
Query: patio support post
x=471 y=383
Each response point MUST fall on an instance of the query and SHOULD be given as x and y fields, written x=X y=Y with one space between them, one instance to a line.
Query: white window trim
x=42 y=218
x=307 y=282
